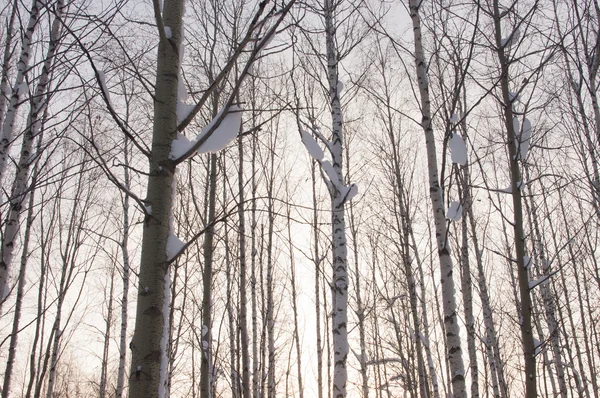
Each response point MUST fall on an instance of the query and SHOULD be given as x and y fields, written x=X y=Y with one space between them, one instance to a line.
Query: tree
x=451 y=326
x=149 y=357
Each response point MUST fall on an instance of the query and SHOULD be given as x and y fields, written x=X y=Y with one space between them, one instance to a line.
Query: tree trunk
x=12 y=348
x=451 y=327
x=518 y=230
x=148 y=365
x=34 y=124
x=125 y=278
x=108 y=326
x=339 y=284
x=19 y=88
x=243 y=275
x=206 y=371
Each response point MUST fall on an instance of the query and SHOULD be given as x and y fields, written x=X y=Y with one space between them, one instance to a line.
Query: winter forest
x=300 y=198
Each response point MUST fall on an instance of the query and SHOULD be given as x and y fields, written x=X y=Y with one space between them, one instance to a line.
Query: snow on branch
x=311 y=145
x=174 y=246
x=214 y=137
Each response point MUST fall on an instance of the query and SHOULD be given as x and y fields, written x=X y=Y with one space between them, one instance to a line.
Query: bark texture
x=339 y=284
x=144 y=378
x=453 y=344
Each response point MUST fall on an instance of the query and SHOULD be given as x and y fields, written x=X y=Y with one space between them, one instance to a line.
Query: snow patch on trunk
x=458 y=149
x=454 y=212
x=103 y=86
x=174 y=246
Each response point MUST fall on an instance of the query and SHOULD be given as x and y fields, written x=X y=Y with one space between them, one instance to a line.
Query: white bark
x=5 y=62
x=12 y=349
x=17 y=92
x=494 y=360
x=453 y=348
x=34 y=124
x=339 y=284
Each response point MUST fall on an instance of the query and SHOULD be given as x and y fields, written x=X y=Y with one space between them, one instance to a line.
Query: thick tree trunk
x=317 y=261
x=147 y=350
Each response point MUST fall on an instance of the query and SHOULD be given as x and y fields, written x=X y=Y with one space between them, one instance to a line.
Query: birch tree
x=453 y=344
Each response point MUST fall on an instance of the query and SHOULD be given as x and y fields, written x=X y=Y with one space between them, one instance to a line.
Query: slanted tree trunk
x=34 y=122
x=12 y=348
x=466 y=285
x=451 y=327
x=8 y=52
x=491 y=340
x=19 y=89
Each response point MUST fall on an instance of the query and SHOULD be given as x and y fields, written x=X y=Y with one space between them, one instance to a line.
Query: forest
x=299 y=198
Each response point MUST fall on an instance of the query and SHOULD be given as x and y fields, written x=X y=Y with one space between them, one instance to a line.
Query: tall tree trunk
x=243 y=275
x=12 y=348
x=518 y=229
x=547 y=295
x=295 y=306
x=317 y=261
x=253 y=278
x=339 y=284
x=19 y=88
x=125 y=278
x=34 y=124
x=8 y=52
x=270 y=310
x=148 y=365
x=466 y=285
x=491 y=340
x=451 y=327
x=206 y=371
x=108 y=326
